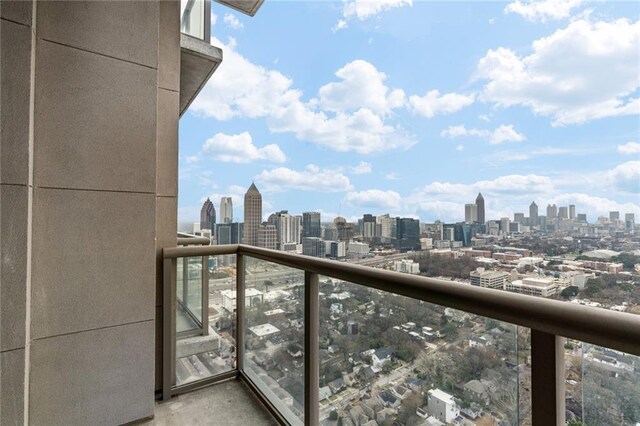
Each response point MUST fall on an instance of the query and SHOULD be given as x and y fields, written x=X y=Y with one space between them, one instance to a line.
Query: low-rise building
x=406 y=265
x=488 y=279
x=534 y=286
x=442 y=406
x=251 y=296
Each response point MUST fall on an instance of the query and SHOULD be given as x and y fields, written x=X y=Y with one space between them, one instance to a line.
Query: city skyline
x=313 y=219
x=428 y=131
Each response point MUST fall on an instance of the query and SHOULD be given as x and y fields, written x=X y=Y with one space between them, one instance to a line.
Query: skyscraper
x=470 y=212
x=614 y=216
x=480 y=208
x=207 y=215
x=311 y=225
x=252 y=215
x=552 y=211
x=533 y=214
x=226 y=210
x=368 y=227
x=572 y=211
x=629 y=221
x=563 y=213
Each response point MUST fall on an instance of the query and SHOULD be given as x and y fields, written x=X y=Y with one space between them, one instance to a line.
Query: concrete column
x=16 y=38
x=168 y=84
x=88 y=186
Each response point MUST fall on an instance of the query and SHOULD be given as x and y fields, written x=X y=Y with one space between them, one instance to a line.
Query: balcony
x=293 y=329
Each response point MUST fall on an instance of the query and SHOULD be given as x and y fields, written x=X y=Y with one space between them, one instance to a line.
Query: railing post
x=311 y=347
x=240 y=308
x=547 y=379
x=168 y=325
x=205 y=296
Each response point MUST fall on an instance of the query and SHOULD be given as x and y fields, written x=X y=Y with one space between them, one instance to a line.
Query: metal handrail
x=616 y=330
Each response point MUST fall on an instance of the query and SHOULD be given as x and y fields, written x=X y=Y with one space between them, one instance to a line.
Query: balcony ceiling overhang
x=198 y=61
x=248 y=7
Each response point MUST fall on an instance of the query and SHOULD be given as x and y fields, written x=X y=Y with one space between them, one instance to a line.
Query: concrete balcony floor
x=229 y=403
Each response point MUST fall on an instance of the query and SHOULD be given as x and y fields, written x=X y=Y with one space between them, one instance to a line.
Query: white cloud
x=510 y=156
x=243 y=89
x=362 y=131
x=626 y=177
x=594 y=206
x=312 y=178
x=586 y=71
x=365 y=9
x=543 y=10
x=214 y=19
x=374 y=198
x=361 y=86
x=433 y=104
x=392 y=176
x=232 y=22
x=460 y=147
x=501 y=134
x=362 y=168
x=240 y=149
x=340 y=25
x=629 y=148
x=484 y=117
x=503 y=195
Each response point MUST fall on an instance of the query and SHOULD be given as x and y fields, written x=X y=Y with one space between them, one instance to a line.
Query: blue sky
x=411 y=108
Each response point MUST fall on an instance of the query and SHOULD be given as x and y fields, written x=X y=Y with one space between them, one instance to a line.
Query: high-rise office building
x=226 y=210
x=629 y=221
x=287 y=228
x=533 y=214
x=572 y=211
x=388 y=228
x=504 y=225
x=552 y=212
x=408 y=233
x=252 y=215
x=480 y=208
x=311 y=225
x=518 y=218
x=267 y=236
x=563 y=213
x=229 y=233
x=207 y=215
x=368 y=227
x=313 y=246
x=614 y=216
x=582 y=217
x=470 y=212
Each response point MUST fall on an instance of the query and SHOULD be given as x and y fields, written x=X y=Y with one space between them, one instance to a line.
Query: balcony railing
x=551 y=323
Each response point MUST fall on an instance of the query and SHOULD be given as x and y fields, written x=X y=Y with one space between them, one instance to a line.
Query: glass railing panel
x=610 y=387
x=192 y=18
x=202 y=353
x=274 y=334
x=189 y=295
x=398 y=360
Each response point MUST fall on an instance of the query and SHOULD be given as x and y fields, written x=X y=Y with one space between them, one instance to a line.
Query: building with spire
x=252 y=215
x=208 y=215
x=480 y=208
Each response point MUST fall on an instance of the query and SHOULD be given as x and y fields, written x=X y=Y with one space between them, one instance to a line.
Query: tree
x=592 y=287
x=333 y=416
x=386 y=368
x=569 y=292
